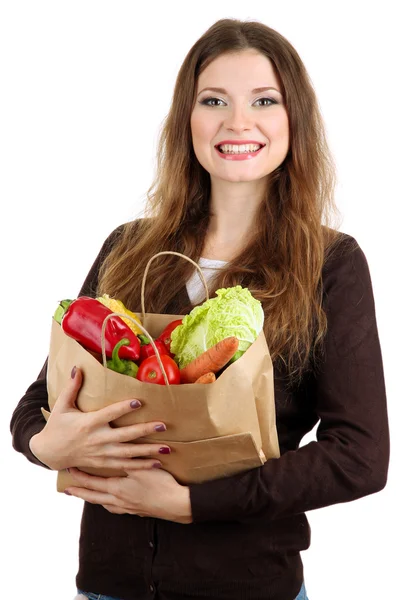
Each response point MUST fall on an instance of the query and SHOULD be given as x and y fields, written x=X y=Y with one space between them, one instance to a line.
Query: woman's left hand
x=146 y=493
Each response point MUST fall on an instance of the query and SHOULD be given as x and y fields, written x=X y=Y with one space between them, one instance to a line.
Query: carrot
x=212 y=359
x=207 y=378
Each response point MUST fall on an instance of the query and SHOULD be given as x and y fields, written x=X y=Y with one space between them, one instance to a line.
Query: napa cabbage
x=234 y=311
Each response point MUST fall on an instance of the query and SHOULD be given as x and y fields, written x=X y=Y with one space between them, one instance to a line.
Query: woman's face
x=237 y=114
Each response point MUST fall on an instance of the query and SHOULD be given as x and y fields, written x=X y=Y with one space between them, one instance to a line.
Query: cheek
x=279 y=128
x=202 y=129
x=275 y=126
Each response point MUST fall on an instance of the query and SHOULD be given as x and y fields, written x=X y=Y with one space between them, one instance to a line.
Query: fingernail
x=135 y=404
x=160 y=428
x=67 y=492
x=157 y=466
x=67 y=470
x=73 y=372
x=165 y=450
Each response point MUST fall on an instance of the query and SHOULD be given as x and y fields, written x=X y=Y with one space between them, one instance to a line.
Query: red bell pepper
x=165 y=336
x=83 y=321
x=146 y=349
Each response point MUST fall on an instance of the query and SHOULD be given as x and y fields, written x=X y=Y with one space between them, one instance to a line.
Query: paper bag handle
x=176 y=254
x=137 y=324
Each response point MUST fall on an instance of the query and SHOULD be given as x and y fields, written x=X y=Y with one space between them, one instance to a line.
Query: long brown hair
x=282 y=264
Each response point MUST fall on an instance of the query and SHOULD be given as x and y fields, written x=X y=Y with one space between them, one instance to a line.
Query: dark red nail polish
x=160 y=428
x=67 y=492
x=165 y=450
x=157 y=466
x=73 y=372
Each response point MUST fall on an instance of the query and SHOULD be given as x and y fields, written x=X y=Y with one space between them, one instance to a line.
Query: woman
x=245 y=182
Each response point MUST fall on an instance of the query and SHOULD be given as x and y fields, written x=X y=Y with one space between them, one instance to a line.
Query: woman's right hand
x=72 y=438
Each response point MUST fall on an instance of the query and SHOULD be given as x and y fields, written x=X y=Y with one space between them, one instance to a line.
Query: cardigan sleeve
x=27 y=419
x=350 y=457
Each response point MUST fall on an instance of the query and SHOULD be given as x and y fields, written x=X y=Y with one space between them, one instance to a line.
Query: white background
x=85 y=86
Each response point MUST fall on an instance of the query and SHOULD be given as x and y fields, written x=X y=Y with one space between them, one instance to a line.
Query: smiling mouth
x=239 y=148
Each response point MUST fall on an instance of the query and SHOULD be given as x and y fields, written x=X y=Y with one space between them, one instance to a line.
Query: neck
x=233 y=210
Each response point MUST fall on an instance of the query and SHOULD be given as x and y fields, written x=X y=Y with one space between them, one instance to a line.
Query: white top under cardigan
x=195 y=286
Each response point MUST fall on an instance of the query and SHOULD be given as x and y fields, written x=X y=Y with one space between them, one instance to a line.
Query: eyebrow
x=222 y=91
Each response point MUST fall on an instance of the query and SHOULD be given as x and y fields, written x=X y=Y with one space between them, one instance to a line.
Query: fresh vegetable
x=120 y=365
x=212 y=359
x=234 y=312
x=117 y=306
x=60 y=310
x=165 y=336
x=150 y=372
x=207 y=378
x=146 y=349
x=83 y=321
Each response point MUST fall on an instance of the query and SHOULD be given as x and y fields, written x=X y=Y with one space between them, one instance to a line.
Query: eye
x=266 y=100
x=210 y=101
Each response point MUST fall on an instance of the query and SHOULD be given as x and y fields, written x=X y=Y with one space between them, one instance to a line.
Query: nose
x=239 y=119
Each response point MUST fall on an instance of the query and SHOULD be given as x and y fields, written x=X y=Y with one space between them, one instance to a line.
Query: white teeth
x=239 y=149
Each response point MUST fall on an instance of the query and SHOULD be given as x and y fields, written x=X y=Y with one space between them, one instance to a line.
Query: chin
x=240 y=178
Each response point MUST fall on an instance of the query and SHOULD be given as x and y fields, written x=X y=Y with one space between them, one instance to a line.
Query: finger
x=138 y=450
x=139 y=464
x=128 y=433
x=92 y=496
x=67 y=398
x=92 y=482
x=114 y=411
x=121 y=464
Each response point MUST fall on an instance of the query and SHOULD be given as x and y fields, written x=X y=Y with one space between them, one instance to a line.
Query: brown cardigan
x=249 y=529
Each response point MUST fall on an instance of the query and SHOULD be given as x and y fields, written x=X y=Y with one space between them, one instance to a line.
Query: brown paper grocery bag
x=214 y=430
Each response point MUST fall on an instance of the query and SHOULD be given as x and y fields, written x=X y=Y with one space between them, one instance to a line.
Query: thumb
x=67 y=398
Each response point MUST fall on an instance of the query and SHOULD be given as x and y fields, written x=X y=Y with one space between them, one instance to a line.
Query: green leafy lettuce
x=233 y=312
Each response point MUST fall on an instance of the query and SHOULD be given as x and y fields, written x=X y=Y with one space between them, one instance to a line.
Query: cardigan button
x=151 y=588
x=151 y=545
